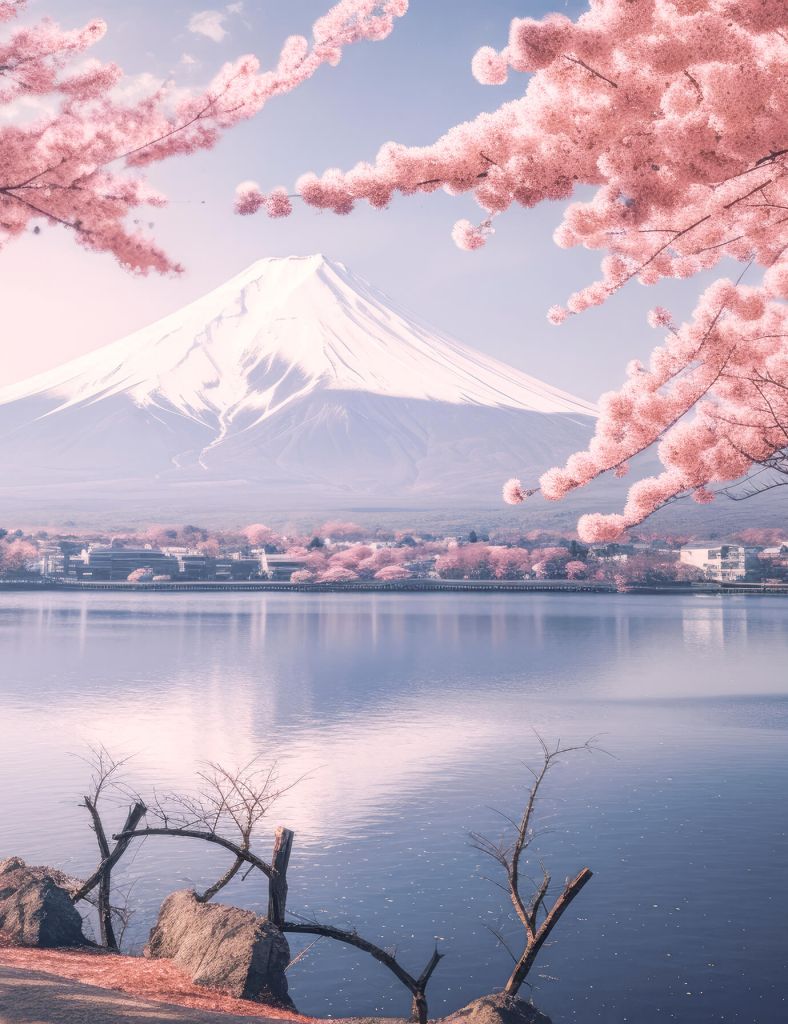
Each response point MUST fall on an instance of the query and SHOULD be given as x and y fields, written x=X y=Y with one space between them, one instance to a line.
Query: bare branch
x=206 y=836
x=416 y=986
x=510 y=858
x=105 y=776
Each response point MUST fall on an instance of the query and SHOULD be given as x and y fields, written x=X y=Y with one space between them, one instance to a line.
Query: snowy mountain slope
x=295 y=381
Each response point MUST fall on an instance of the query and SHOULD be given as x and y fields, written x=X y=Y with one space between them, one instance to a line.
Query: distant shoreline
x=425 y=586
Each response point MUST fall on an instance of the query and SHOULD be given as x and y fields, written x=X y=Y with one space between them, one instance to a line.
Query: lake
x=413 y=715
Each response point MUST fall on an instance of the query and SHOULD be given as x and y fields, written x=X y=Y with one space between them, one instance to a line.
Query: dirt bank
x=151 y=981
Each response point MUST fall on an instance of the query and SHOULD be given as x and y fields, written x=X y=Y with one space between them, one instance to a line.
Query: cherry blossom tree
x=382 y=558
x=509 y=563
x=391 y=573
x=80 y=162
x=576 y=570
x=315 y=561
x=469 y=561
x=258 y=535
x=337 y=574
x=302 y=576
x=350 y=558
x=673 y=112
x=142 y=575
x=16 y=555
x=160 y=536
x=549 y=562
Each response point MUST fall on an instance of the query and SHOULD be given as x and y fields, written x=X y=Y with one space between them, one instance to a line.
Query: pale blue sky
x=59 y=301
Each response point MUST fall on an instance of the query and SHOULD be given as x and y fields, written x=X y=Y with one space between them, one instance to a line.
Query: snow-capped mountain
x=294 y=384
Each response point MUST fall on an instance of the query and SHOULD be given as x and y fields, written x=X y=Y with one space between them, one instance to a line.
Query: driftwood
x=277 y=903
x=229 y=806
x=237 y=801
x=277 y=880
x=416 y=986
x=246 y=856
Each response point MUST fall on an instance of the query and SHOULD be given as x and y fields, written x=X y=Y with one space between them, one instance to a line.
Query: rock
x=36 y=908
x=498 y=1008
x=223 y=947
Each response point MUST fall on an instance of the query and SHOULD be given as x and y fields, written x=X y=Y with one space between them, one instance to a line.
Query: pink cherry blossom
x=79 y=164
x=468 y=236
x=672 y=113
x=660 y=317
x=393 y=572
x=16 y=554
x=513 y=492
x=489 y=67
x=258 y=534
x=278 y=203
x=337 y=574
x=248 y=198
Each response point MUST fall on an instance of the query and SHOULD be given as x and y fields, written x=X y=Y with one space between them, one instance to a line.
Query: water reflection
x=411 y=715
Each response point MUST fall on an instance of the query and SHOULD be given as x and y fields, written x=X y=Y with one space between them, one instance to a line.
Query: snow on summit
x=294 y=381
x=308 y=318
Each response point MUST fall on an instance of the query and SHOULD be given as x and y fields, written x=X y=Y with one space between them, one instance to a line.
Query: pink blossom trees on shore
x=337 y=574
x=80 y=162
x=258 y=535
x=646 y=560
x=141 y=575
x=16 y=554
x=673 y=111
x=391 y=573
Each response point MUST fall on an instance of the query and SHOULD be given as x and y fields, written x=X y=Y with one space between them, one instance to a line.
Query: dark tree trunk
x=277 y=882
x=136 y=812
x=526 y=961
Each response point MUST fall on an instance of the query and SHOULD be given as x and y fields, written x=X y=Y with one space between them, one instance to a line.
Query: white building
x=726 y=562
x=52 y=560
x=277 y=567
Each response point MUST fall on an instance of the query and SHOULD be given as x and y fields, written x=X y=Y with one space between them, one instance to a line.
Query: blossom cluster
x=714 y=398
x=673 y=111
x=80 y=162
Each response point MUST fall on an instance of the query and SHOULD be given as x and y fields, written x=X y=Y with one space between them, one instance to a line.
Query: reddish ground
x=157 y=980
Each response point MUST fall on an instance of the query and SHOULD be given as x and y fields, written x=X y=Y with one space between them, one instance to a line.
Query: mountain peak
x=294 y=381
x=309 y=263
x=280 y=329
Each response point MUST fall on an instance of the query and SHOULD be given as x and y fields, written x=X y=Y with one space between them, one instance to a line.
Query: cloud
x=236 y=8
x=209 y=24
x=188 y=60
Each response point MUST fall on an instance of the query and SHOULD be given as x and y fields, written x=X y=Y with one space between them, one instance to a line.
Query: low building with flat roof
x=280 y=567
x=117 y=563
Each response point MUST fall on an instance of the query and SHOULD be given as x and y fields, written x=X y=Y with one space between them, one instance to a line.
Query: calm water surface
x=413 y=714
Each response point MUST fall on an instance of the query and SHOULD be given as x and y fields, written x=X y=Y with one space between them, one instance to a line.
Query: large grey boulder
x=36 y=908
x=498 y=1008
x=223 y=947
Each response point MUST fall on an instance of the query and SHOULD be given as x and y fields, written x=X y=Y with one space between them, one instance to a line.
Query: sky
x=59 y=301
